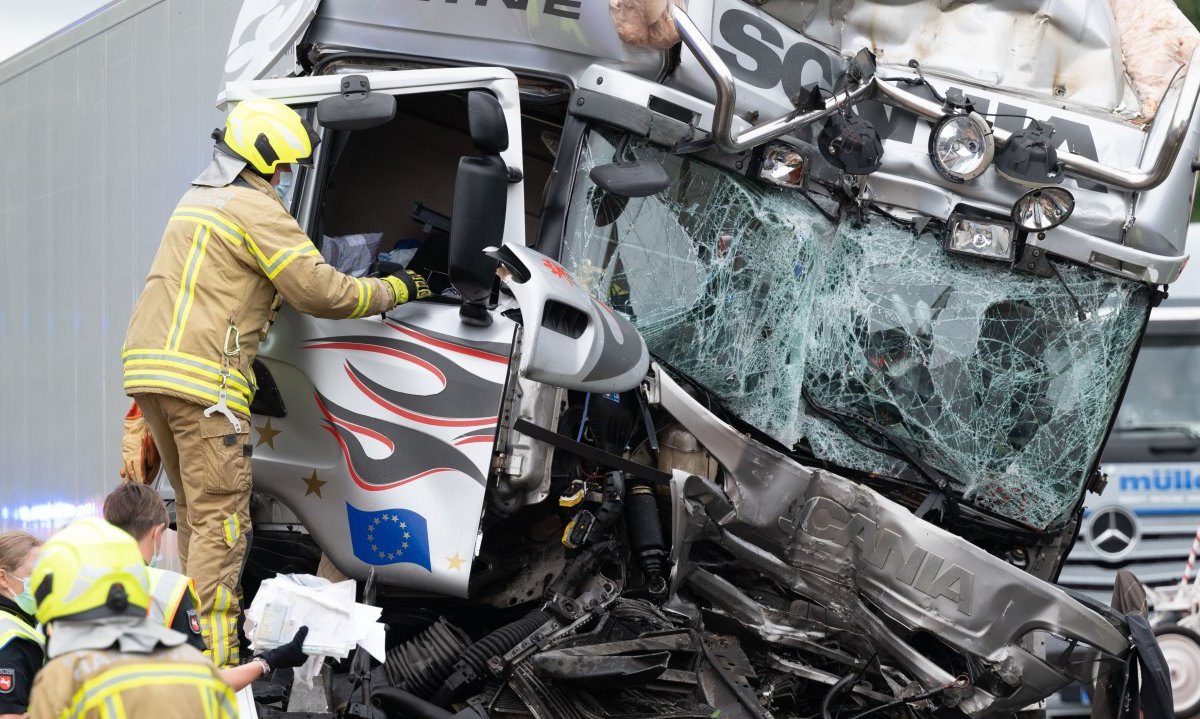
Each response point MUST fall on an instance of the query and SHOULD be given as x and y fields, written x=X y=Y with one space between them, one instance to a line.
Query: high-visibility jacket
x=22 y=651
x=174 y=604
x=167 y=591
x=13 y=627
x=227 y=255
x=175 y=683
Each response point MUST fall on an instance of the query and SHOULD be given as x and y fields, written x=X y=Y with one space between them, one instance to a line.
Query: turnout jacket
x=166 y=683
x=228 y=255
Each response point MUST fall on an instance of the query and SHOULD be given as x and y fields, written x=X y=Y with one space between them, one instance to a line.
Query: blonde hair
x=15 y=546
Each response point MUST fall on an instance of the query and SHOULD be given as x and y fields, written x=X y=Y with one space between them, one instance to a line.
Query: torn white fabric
x=1156 y=40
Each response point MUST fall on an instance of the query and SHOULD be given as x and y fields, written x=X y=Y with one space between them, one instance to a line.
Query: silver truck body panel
x=264 y=38
x=602 y=352
x=548 y=38
x=1130 y=233
x=841 y=542
x=1044 y=48
x=397 y=415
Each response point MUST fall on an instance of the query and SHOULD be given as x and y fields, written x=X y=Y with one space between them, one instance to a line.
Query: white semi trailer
x=107 y=122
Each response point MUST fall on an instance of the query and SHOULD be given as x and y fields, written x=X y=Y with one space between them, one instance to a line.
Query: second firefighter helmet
x=266 y=134
x=90 y=570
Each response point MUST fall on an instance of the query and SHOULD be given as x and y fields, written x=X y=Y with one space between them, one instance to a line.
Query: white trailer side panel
x=103 y=126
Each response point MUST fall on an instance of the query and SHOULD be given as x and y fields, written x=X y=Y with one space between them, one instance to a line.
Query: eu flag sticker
x=389 y=536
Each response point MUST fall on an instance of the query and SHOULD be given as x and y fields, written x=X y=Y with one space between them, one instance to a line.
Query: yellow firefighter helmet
x=90 y=570
x=268 y=133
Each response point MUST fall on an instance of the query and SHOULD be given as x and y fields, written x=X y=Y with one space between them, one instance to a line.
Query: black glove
x=288 y=655
x=408 y=286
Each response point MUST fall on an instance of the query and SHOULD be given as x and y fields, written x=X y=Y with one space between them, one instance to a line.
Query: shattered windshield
x=1004 y=382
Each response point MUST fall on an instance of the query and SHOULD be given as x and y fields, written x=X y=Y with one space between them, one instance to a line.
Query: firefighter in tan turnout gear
x=229 y=254
x=106 y=658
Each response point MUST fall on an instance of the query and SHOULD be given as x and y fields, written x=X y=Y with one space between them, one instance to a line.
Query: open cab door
x=378 y=433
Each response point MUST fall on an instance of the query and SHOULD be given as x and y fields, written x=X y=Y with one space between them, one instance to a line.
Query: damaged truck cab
x=788 y=332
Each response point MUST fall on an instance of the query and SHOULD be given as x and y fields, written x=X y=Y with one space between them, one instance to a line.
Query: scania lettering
x=885 y=550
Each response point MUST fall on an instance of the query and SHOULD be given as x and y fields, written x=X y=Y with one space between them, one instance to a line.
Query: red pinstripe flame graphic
x=475 y=440
x=449 y=346
x=391 y=352
x=374 y=435
x=416 y=416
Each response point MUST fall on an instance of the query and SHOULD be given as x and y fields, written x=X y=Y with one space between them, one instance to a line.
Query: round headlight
x=1043 y=208
x=961 y=146
x=782 y=166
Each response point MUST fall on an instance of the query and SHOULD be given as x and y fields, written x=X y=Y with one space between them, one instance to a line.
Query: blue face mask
x=284 y=188
x=25 y=599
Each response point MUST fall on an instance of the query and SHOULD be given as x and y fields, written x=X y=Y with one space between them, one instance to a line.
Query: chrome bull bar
x=1158 y=157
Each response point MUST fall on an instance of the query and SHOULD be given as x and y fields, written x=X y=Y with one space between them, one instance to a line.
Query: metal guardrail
x=1154 y=168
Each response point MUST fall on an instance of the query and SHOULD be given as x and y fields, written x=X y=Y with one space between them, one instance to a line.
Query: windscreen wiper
x=940 y=500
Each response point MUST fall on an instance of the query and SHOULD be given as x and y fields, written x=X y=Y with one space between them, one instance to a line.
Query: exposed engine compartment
x=746 y=585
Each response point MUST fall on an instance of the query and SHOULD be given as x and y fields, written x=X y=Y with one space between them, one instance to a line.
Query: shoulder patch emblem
x=193 y=621
x=8 y=682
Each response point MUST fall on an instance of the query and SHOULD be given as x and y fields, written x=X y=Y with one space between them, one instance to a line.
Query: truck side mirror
x=478 y=214
x=356 y=108
x=616 y=182
x=489 y=131
x=635 y=178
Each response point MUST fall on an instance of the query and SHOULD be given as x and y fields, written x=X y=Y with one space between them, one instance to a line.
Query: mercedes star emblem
x=1113 y=532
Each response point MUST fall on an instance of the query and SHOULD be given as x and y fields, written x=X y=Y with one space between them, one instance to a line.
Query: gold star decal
x=266 y=435
x=455 y=562
x=314 y=485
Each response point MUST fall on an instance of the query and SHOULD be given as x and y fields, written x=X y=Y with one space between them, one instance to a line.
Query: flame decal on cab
x=383 y=454
x=473 y=399
x=410 y=454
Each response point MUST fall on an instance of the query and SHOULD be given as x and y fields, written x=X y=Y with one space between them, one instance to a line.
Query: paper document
x=336 y=623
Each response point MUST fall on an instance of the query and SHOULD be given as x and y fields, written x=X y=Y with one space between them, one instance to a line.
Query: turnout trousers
x=208 y=465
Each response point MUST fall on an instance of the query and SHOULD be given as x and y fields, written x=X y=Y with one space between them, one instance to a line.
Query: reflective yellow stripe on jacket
x=213 y=221
x=106 y=689
x=208 y=219
x=167 y=590
x=273 y=265
x=184 y=373
x=13 y=627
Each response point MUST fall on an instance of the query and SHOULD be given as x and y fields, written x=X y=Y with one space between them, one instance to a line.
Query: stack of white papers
x=336 y=623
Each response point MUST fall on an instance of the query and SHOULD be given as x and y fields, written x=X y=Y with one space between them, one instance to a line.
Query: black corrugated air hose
x=422 y=663
x=473 y=667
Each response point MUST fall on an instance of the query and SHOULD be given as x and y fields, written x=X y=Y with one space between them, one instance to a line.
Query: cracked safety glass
x=1003 y=381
